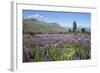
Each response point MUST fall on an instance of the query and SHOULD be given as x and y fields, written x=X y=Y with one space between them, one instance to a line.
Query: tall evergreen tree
x=74 y=27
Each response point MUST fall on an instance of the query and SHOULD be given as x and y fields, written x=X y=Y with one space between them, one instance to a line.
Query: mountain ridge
x=36 y=26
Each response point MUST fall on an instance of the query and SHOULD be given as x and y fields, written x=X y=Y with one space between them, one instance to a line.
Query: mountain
x=37 y=26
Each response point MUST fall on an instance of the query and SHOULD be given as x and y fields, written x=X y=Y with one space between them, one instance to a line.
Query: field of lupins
x=56 y=47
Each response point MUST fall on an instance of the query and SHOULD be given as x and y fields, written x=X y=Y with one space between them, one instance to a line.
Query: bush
x=83 y=30
x=69 y=30
x=31 y=33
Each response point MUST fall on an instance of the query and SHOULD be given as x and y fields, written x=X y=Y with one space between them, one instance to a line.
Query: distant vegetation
x=33 y=26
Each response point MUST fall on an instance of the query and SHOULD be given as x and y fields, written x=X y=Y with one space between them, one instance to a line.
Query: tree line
x=74 y=28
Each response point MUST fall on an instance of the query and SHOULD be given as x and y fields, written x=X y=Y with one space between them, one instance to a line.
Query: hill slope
x=36 y=26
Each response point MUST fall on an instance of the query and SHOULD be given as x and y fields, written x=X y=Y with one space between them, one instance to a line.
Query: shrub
x=31 y=33
x=83 y=30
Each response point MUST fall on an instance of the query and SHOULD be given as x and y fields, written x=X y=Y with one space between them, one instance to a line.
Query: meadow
x=56 y=47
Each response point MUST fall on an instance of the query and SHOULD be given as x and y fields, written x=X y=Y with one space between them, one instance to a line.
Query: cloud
x=37 y=16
